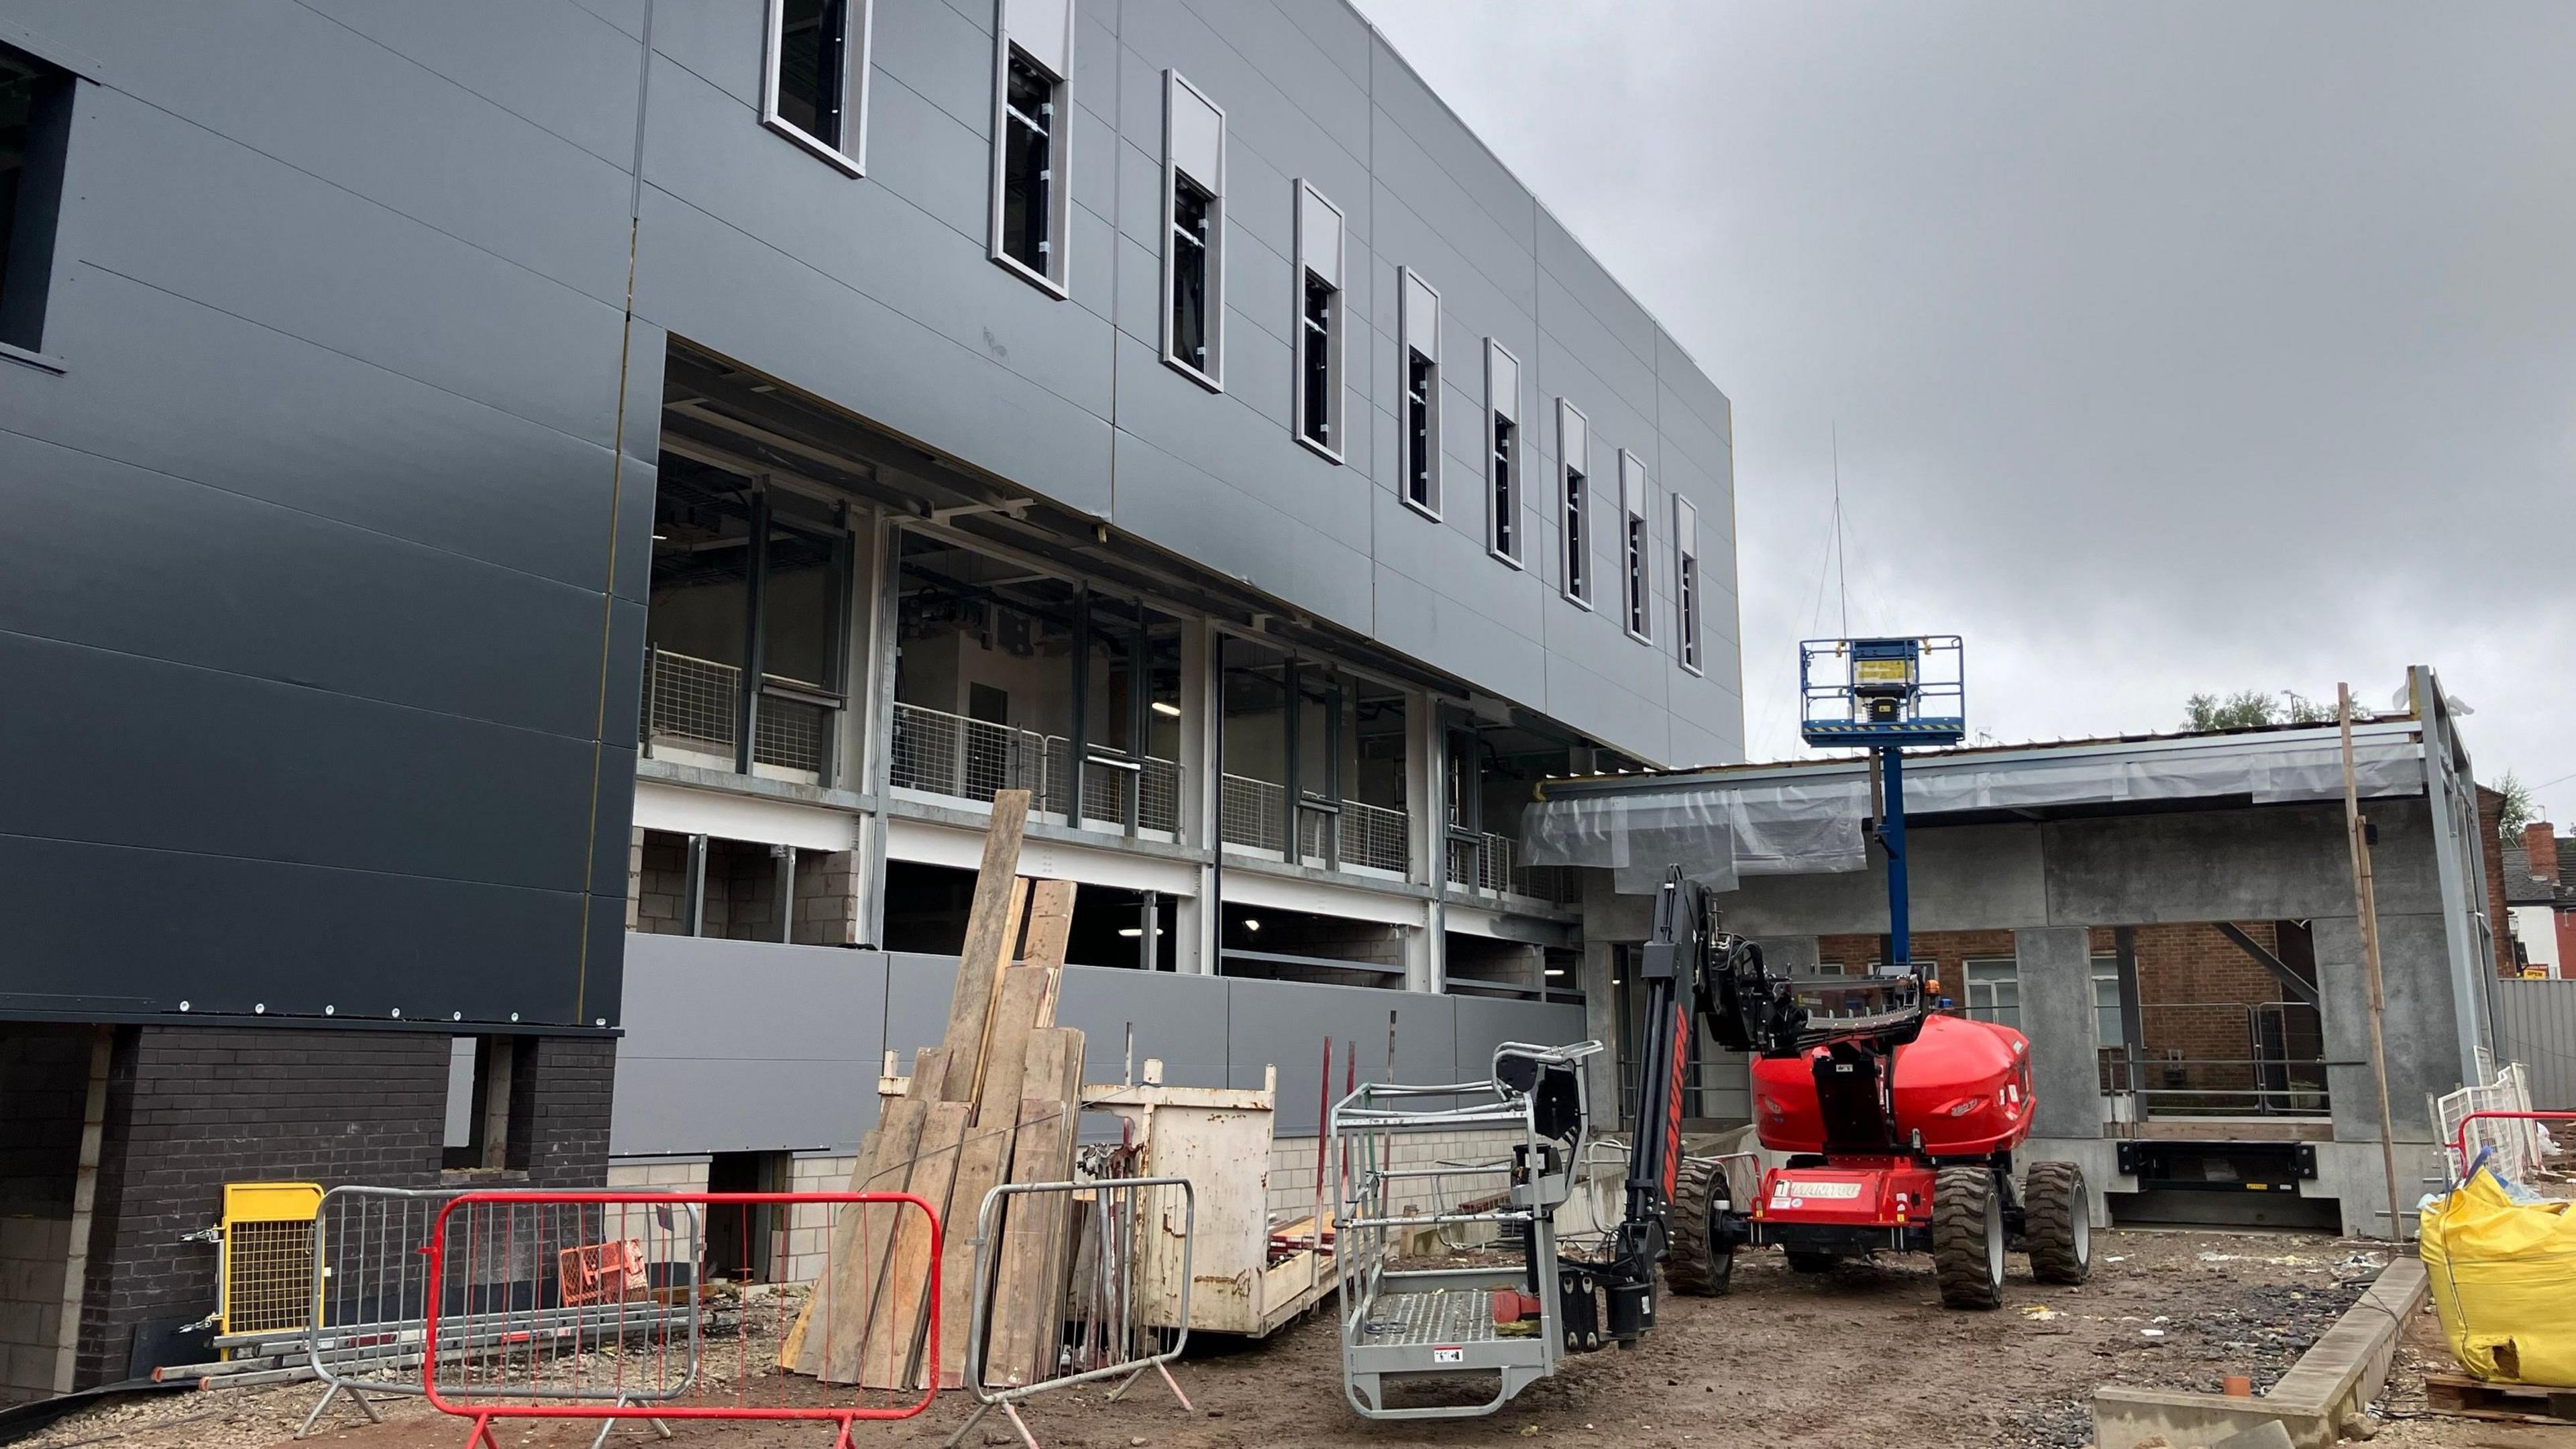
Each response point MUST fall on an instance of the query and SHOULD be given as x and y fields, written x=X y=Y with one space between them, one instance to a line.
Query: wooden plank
x=2479 y=1399
x=895 y=1321
x=1068 y=1131
x=844 y=1239
x=1050 y=927
x=992 y=928
x=859 y=1256
x=1041 y=1152
x=981 y=1162
x=1015 y=1019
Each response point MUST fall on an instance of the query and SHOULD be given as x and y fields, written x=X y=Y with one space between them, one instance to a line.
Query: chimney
x=2540 y=842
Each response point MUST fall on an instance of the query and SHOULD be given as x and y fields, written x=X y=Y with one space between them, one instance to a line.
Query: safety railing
x=1253 y=812
x=2506 y=1138
x=584 y=1305
x=696 y=704
x=939 y=753
x=1127 y=1311
x=2201 y=1059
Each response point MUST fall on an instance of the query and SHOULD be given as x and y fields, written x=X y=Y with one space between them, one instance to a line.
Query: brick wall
x=44 y=1084
x=191 y=1108
x=2491 y=832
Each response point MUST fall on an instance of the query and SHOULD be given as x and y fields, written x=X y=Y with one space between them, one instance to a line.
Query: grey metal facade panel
x=1180 y=1020
x=918 y=989
x=228 y=934
x=1285 y=1024
x=134 y=751
x=741 y=1046
x=1273 y=550
x=286 y=596
x=2536 y=1026
x=573 y=70
x=1485 y=1023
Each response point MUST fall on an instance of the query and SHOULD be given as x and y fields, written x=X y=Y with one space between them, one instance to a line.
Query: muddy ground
x=1864 y=1357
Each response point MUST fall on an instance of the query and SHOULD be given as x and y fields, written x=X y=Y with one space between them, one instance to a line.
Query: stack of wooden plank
x=994 y=1102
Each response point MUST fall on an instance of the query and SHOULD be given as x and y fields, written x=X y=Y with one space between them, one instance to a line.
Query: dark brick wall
x=190 y=1109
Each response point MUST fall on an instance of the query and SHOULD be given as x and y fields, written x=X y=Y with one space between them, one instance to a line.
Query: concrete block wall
x=190 y=1109
x=32 y=1253
x=809 y=1226
x=827 y=899
x=659 y=884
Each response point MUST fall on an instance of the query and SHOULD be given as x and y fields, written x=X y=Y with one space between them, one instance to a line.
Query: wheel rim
x=1994 y=1238
x=2080 y=1216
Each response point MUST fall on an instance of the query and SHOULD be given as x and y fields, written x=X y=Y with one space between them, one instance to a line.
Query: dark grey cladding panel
x=180 y=388
x=218 y=580
x=1285 y=1024
x=612 y=833
x=124 y=750
x=739 y=1045
x=119 y=929
x=258 y=88
x=1179 y=1019
x=287 y=250
x=599 y=978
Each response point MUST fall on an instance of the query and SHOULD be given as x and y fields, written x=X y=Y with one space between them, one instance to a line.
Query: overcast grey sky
x=2172 y=347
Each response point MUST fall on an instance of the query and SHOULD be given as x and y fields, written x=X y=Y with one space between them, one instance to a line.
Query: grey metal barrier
x=1130 y=1304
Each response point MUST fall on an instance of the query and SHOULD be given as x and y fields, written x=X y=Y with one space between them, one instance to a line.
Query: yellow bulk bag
x=2503 y=1277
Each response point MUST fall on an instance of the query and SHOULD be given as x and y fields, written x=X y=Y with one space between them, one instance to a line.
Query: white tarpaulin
x=1720 y=829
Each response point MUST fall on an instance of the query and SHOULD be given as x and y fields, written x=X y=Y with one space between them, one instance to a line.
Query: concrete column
x=1601 y=1024
x=1427 y=959
x=634 y=878
x=875 y=642
x=2420 y=1024
x=2056 y=969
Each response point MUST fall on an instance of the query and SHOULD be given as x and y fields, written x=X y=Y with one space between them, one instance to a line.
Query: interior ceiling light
x=1250 y=924
x=1165 y=706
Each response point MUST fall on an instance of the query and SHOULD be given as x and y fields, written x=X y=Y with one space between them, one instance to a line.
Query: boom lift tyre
x=2057 y=1223
x=1968 y=1237
x=1701 y=1260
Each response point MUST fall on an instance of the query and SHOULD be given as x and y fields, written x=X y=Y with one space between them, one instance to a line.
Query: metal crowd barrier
x=588 y=1305
x=1130 y=1305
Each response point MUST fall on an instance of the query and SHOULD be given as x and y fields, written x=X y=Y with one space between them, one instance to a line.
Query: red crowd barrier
x=611 y=1305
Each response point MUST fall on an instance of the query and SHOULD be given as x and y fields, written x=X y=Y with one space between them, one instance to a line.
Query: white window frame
x=1417 y=333
x=1313 y=212
x=1574 y=545
x=851 y=154
x=2106 y=968
x=1178 y=95
x=1503 y=508
x=1041 y=32
x=1688 y=606
x=1636 y=551
x=1969 y=1006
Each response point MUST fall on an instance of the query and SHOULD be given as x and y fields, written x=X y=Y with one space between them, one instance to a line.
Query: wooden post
x=2357 y=832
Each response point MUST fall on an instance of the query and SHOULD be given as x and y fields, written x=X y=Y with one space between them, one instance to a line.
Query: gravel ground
x=1863 y=1357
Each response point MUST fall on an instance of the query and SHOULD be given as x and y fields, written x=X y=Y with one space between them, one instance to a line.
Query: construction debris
x=994 y=1102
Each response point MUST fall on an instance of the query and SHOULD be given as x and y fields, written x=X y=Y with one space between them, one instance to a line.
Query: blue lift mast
x=1882 y=695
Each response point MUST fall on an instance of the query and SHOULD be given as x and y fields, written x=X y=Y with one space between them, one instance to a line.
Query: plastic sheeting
x=1719 y=830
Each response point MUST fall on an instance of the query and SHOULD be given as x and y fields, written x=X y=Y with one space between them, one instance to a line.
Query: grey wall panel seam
x=365 y=361
x=551 y=892
x=430 y=70
x=299 y=686
x=323 y=518
x=390 y=210
x=983 y=357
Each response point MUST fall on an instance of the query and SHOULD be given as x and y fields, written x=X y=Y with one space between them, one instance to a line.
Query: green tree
x=2241 y=710
x=2517 y=811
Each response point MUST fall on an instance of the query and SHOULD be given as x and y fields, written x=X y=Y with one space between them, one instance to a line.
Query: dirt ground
x=1864 y=1357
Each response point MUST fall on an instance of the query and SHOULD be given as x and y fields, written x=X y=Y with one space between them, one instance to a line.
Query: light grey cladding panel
x=1043 y=29
x=440 y=469
x=1285 y=1023
x=1598 y=679
x=1179 y=1019
x=553 y=62
x=1443 y=599
x=2234 y=865
x=716 y=40
x=1415 y=130
x=746 y=1046
x=1278 y=93
x=305 y=92
x=1574 y=283
x=290 y=597
x=303 y=256
x=1337 y=32
x=940 y=53
x=1692 y=389
x=1237 y=439
x=1485 y=1023
x=918 y=989
x=923 y=153
x=1270 y=547
x=709 y=282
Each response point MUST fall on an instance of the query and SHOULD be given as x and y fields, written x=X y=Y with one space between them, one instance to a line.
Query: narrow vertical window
x=1686 y=580
x=1032 y=56
x=35 y=124
x=1317 y=406
x=814 y=85
x=1418 y=343
x=1502 y=450
x=1632 y=523
x=1574 y=464
x=1194 y=242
